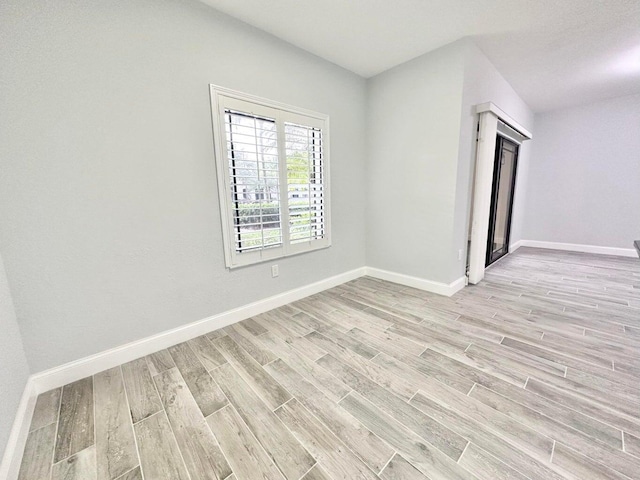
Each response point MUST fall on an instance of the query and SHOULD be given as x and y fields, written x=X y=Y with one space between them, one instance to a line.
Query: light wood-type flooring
x=534 y=373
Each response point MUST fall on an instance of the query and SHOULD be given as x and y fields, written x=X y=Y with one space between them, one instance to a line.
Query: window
x=273 y=177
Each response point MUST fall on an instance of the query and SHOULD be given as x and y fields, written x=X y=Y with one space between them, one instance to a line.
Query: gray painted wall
x=414 y=128
x=584 y=179
x=109 y=215
x=422 y=131
x=14 y=370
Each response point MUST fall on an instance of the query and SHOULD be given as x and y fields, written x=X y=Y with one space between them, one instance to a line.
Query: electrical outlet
x=275 y=271
x=460 y=252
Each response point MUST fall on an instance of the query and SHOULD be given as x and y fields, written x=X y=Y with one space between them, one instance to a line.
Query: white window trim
x=234 y=259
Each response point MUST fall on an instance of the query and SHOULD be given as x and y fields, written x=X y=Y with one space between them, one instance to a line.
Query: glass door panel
x=504 y=175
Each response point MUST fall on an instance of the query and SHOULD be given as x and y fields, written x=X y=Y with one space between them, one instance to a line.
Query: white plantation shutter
x=304 y=182
x=272 y=163
x=252 y=152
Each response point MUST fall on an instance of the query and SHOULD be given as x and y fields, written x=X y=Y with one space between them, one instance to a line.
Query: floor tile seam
x=490 y=429
x=321 y=422
x=392 y=420
x=620 y=415
x=398 y=398
x=130 y=419
x=242 y=377
x=175 y=438
x=231 y=406
x=553 y=419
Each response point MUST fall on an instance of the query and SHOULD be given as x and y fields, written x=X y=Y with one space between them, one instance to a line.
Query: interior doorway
x=502 y=192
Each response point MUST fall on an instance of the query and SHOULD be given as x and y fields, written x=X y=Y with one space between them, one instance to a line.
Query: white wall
x=584 y=180
x=483 y=83
x=414 y=128
x=109 y=215
x=14 y=370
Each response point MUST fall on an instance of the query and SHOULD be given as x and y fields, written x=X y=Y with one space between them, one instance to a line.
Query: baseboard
x=416 y=282
x=574 y=247
x=10 y=466
x=84 y=367
x=70 y=372
x=514 y=246
x=76 y=370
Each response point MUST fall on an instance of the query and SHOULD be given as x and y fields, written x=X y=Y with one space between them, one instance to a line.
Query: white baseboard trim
x=514 y=246
x=574 y=247
x=70 y=372
x=10 y=466
x=416 y=282
x=84 y=367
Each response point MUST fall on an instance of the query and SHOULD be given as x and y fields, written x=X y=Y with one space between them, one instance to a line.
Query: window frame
x=223 y=98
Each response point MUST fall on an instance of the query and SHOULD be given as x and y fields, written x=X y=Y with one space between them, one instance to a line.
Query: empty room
x=319 y=239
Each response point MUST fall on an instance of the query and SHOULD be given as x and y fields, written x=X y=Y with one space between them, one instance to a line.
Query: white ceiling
x=555 y=53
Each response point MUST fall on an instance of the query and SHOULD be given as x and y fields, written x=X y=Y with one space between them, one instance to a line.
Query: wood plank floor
x=532 y=374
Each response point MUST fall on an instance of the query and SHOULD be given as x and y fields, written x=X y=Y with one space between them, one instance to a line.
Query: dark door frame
x=497 y=167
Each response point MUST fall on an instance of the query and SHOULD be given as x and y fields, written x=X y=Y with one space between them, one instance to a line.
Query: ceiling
x=555 y=53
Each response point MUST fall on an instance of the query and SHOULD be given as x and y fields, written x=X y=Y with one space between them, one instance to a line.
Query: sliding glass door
x=504 y=177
